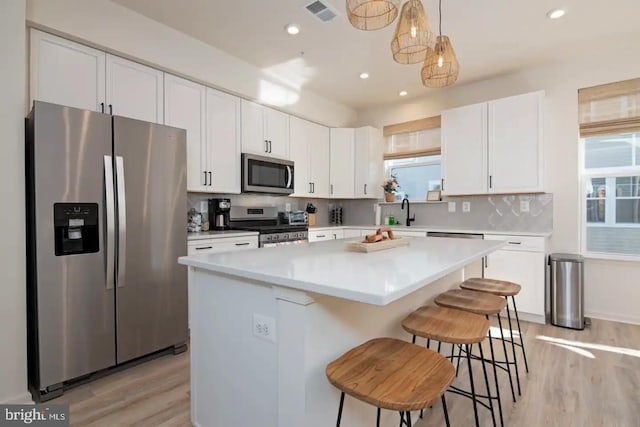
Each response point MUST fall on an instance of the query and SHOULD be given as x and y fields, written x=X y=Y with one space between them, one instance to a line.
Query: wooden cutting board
x=378 y=246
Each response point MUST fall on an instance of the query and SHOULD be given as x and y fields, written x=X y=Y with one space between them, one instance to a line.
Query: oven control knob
x=286 y=236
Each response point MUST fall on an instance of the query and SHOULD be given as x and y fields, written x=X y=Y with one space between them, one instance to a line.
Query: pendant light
x=372 y=15
x=441 y=67
x=413 y=34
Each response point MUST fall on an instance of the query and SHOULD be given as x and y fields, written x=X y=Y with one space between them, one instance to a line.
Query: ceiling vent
x=322 y=10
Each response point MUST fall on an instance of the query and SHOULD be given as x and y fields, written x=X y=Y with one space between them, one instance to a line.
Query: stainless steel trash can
x=566 y=290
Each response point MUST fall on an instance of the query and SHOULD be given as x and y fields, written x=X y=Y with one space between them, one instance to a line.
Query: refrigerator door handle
x=122 y=221
x=110 y=248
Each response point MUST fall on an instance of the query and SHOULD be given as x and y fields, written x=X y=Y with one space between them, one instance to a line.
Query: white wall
x=112 y=27
x=13 y=332
x=612 y=288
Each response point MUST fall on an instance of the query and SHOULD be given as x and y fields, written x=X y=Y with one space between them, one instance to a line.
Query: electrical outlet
x=524 y=206
x=452 y=207
x=466 y=207
x=287 y=207
x=264 y=327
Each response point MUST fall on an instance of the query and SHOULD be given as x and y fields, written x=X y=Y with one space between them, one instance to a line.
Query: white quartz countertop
x=217 y=234
x=328 y=268
x=442 y=229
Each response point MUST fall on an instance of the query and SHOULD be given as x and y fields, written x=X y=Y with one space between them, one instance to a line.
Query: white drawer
x=519 y=243
x=218 y=245
x=322 y=235
x=407 y=233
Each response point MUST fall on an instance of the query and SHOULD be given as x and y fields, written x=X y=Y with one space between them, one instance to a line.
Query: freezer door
x=71 y=297
x=151 y=187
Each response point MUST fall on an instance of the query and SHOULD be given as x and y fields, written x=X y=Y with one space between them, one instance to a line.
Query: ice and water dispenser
x=76 y=228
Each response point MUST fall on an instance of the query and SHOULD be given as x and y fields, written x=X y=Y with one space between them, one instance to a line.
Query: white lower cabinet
x=522 y=261
x=407 y=233
x=323 y=235
x=216 y=246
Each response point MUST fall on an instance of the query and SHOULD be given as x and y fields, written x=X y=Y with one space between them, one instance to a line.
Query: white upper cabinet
x=66 y=73
x=223 y=141
x=320 y=160
x=464 y=150
x=515 y=144
x=264 y=131
x=493 y=147
x=368 y=163
x=311 y=156
x=185 y=108
x=134 y=90
x=342 y=163
x=300 y=151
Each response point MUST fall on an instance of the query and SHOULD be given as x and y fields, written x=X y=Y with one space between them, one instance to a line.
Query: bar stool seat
x=491 y=286
x=474 y=302
x=392 y=374
x=447 y=325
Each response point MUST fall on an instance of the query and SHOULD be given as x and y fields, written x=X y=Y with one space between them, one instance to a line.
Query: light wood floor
x=577 y=378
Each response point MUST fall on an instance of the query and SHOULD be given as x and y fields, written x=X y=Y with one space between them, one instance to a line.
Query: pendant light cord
x=440 y=11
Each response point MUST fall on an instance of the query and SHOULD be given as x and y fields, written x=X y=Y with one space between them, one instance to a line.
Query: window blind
x=610 y=108
x=412 y=139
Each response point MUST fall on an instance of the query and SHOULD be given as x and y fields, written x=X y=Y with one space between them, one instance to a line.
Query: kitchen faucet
x=408 y=221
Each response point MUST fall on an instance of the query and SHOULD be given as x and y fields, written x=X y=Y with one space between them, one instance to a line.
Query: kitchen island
x=265 y=323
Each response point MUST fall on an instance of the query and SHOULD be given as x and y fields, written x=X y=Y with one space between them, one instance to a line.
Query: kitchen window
x=610 y=159
x=412 y=155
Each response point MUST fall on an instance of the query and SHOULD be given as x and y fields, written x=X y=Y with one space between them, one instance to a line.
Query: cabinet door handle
x=365 y=189
x=313 y=187
x=266 y=146
x=490 y=181
x=321 y=235
x=310 y=188
x=331 y=188
x=486 y=262
x=243 y=244
x=269 y=146
x=442 y=184
x=515 y=243
x=102 y=106
x=203 y=248
x=205 y=177
x=210 y=178
x=111 y=109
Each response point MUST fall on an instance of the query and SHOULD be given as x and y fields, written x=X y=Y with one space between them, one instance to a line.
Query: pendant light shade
x=441 y=67
x=413 y=34
x=372 y=15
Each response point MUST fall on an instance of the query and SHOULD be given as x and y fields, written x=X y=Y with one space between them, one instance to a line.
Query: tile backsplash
x=495 y=212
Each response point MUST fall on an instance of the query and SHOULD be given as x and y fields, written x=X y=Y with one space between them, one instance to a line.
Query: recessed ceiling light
x=403 y=93
x=556 y=13
x=364 y=75
x=292 y=29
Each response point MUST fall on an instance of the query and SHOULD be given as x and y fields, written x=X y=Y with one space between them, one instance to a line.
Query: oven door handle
x=289 y=176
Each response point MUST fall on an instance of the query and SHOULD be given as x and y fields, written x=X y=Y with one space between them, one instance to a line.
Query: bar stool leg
x=459 y=356
x=486 y=381
x=473 y=387
x=524 y=353
x=446 y=412
x=513 y=347
x=378 y=419
x=340 y=409
x=495 y=377
x=506 y=357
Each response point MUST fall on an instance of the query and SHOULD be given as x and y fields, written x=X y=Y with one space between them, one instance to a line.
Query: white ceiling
x=491 y=37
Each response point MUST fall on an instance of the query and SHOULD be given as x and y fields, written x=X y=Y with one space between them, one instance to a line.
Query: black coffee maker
x=219 y=210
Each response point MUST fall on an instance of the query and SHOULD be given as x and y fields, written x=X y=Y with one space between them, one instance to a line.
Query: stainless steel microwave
x=266 y=175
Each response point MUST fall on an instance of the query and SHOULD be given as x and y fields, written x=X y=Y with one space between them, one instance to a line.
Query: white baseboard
x=22 y=399
x=614 y=317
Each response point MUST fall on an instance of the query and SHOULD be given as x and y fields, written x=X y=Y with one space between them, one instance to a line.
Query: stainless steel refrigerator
x=106 y=204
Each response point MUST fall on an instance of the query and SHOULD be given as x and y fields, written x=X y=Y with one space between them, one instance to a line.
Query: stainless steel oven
x=266 y=175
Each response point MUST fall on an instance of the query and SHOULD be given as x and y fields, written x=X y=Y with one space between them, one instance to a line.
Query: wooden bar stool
x=486 y=305
x=504 y=289
x=392 y=374
x=454 y=327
